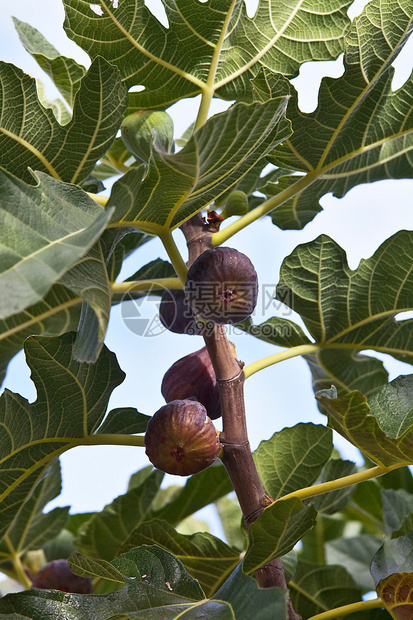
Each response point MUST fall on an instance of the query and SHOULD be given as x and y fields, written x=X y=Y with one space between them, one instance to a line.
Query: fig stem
x=265 y=208
x=145 y=285
x=344 y=610
x=174 y=254
x=265 y=362
x=237 y=457
x=101 y=200
x=17 y=564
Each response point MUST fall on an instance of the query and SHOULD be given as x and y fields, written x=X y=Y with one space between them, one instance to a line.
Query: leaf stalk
x=264 y=209
x=345 y=610
x=146 y=285
x=340 y=483
x=265 y=362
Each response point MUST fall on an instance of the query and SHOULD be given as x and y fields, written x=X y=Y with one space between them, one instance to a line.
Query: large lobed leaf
x=362 y=130
x=66 y=73
x=210 y=45
x=178 y=185
x=381 y=426
x=71 y=402
x=30 y=136
x=31 y=528
x=44 y=230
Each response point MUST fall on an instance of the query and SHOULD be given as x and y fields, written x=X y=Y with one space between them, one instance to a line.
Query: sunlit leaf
x=359 y=133
x=31 y=137
x=293 y=458
x=207 y=45
x=66 y=73
x=277 y=530
x=178 y=185
x=381 y=426
x=44 y=230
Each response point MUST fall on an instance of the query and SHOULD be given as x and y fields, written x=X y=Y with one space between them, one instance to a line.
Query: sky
x=275 y=397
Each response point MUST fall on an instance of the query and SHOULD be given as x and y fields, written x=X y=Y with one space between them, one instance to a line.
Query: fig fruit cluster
x=222 y=286
x=181 y=439
x=193 y=376
x=176 y=314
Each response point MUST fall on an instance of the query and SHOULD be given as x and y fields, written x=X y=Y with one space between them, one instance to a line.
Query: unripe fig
x=181 y=439
x=222 y=286
x=143 y=128
x=56 y=575
x=193 y=376
x=237 y=204
x=177 y=316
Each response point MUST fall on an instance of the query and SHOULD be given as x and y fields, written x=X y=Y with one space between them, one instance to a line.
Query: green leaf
x=199 y=491
x=346 y=310
x=32 y=528
x=66 y=73
x=57 y=106
x=316 y=588
x=365 y=506
x=44 y=231
x=314 y=542
x=70 y=406
x=359 y=134
x=91 y=567
x=106 y=531
x=57 y=313
x=355 y=554
x=205 y=557
x=124 y=421
x=334 y=501
x=249 y=601
x=381 y=426
x=277 y=530
x=394 y=556
x=156 y=585
x=276 y=330
x=205 y=46
x=347 y=370
x=178 y=185
x=230 y=515
x=30 y=136
x=293 y=458
x=89 y=279
x=396 y=507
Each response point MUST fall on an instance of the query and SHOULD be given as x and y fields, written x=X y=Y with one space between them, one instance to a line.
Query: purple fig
x=181 y=439
x=222 y=286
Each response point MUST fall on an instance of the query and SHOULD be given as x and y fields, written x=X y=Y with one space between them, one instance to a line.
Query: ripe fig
x=193 y=376
x=176 y=315
x=181 y=439
x=237 y=204
x=222 y=286
x=56 y=575
x=143 y=128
